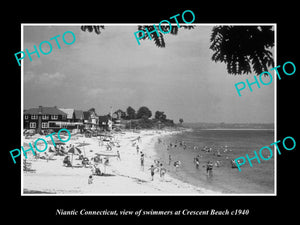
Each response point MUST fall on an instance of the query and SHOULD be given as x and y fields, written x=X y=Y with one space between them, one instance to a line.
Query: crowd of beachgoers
x=113 y=163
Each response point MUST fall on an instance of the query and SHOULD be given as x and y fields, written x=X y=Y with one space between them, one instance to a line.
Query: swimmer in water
x=209 y=168
x=162 y=172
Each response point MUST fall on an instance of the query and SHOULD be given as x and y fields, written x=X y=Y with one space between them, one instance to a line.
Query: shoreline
x=179 y=174
x=225 y=180
x=125 y=176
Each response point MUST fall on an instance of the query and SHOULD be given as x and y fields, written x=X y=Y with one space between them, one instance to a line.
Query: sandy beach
x=123 y=176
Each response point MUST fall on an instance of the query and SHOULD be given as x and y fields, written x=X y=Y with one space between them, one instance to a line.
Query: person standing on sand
x=90 y=180
x=152 y=169
x=162 y=172
x=142 y=161
x=106 y=163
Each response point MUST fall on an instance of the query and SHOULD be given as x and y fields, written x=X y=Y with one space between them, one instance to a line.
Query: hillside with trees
x=143 y=118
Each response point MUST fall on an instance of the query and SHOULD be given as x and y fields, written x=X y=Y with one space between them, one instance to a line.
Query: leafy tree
x=159 y=40
x=97 y=29
x=180 y=120
x=143 y=113
x=121 y=114
x=130 y=113
x=160 y=116
x=243 y=47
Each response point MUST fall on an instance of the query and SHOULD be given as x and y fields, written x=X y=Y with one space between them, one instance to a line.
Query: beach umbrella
x=82 y=144
x=74 y=150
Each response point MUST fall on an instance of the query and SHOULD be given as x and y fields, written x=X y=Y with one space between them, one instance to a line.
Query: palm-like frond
x=159 y=40
x=241 y=47
x=97 y=29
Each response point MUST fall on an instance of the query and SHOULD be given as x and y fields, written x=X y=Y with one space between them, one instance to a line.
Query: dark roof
x=86 y=115
x=45 y=111
x=78 y=114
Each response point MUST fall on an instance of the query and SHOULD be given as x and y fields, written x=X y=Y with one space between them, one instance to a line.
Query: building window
x=32 y=125
x=45 y=117
x=26 y=117
x=54 y=117
x=34 y=117
x=52 y=125
x=44 y=125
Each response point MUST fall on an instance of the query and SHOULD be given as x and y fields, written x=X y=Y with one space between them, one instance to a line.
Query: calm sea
x=231 y=144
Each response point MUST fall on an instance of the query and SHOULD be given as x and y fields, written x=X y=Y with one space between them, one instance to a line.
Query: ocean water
x=258 y=179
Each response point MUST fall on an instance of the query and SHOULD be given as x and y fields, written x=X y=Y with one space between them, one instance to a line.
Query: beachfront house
x=70 y=114
x=74 y=119
x=117 y=121
x=90 y=119
x=105 y=123
x=78 y=116
x=79 y=120
x=43 y=118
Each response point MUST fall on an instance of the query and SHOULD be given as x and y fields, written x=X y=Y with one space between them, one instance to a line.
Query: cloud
x=93 y=92
x=111 y=69
x=96 y=92
x=44 y=79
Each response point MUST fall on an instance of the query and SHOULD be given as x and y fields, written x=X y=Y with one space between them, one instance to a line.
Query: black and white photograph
x=162 y=117
x=155 y=114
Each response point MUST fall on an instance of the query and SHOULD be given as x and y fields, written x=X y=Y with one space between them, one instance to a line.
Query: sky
x=112 y=70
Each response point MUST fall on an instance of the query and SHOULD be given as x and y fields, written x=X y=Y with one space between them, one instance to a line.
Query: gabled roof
x=78 y=114
x=86 y=115
x=45 y=111
x=69 y=112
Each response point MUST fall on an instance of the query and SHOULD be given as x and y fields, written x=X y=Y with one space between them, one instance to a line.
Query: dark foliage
x=159 y=41
x=243 y=47
x=121 y=114
x=97 y=29
x=143 y=112
x=130 y=113
x=160 y=116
